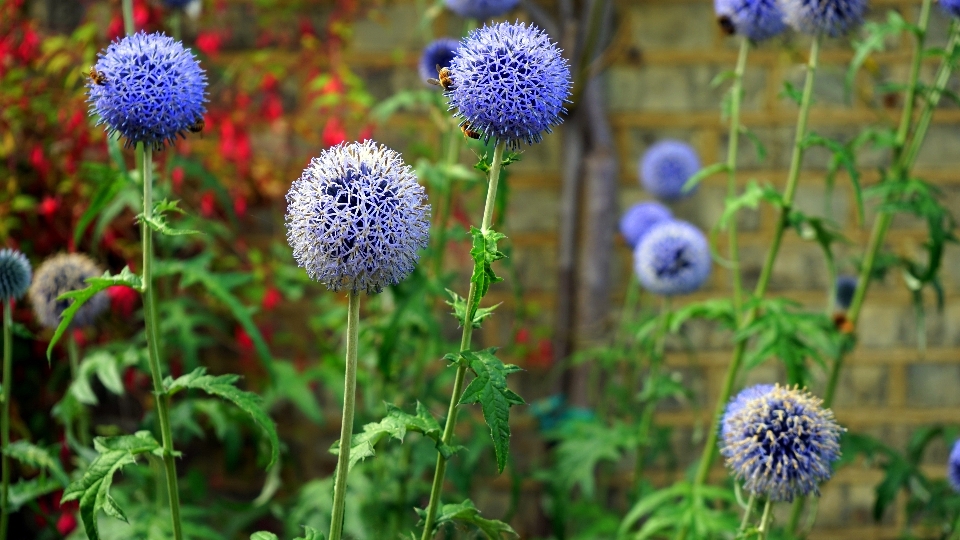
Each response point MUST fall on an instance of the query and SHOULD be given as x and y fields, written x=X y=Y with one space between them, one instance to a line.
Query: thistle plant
x=439 y=52
x=639 y=219
x=480 y=9
x=509 y=85
x=672 y=259
x=15 y=275
x=666 y=167
x=356 y=220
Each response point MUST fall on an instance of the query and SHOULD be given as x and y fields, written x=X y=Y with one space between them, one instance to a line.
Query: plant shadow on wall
x=148 y=300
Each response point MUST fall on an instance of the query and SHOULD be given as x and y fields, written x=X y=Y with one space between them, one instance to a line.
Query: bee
x=467 y=132
x=443 y=79
x=842 y=323
x=197 y=126
x=726 y=24
x=97 y=77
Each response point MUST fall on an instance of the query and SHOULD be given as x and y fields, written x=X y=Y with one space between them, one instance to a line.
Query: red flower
x=208 y=204
x=269 y=83
x=48 y=206
x=333 y=133
x=39 y=161
x=366 y=133
x=271 y=297
x=177 y=177
x=123 y=299
x=209 y=43
x=66 y=524
x=243 y=340
x=240 y=205
x=272 y=107
x=79 y=337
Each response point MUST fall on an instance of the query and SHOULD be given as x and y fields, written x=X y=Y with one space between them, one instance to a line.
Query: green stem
x=955 y=533
x=766 y=520
x=128 y=24
x=441 y=467
x=646 y=418
x=736 y=95
x=346 y=426
x=153 y=345
x=176 y=23
x=5 y=419
x=453 y=150
x=746 y=514
x=906 y=119
x=706 y=458
x=83 y=418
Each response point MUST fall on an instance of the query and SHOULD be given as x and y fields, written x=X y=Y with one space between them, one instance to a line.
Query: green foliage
x=224 y=387
x=489 y=389
x=843 y=155
x=702 y=174
x=396 y=425
x=459 y=305
x=93 y=488
x=468 y=514
x=585 y=444
x=109 y=183
x=106 y=367
x=677 y=507
x=79 y=297
x=484 y=253
x=486 y=161
x=750 y=198
x=158 y=221
x=51 y=478
x=877 y=36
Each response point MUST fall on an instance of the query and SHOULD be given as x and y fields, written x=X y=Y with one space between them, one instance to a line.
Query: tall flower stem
x=766 y=520
x=467 y=336
x=346 y=426
x=453 y=150
x=128 y=24
x=747 y=512
x=736 y=95
x=83 y=417
x=5 y=419
x=646 y=418
x=706 y=459
x=153 y=345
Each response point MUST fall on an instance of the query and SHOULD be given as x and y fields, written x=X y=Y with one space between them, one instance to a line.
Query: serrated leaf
x=38 y=457
x=790 y=91
x=26 y=491
x=309 y=533
x=489 y=389
x=109 y=184
x=395 y=424
x=484 y=253
x=158 y=220
x=459 y=305
x=583 y=445
x=466 y=512
x=750 y=198
x=702 y=174
x=263 y=535
x=105 y=366
x=224 y=386
x=93 y=488
x=79 y=297
x=486 y=161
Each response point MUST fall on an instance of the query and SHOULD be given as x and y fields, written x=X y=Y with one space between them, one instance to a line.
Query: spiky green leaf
x=484 y=253
x=459 y=305
x=467 y=513
x=489 y=389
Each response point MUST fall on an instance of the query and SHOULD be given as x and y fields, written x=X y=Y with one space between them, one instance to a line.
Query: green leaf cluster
x=484 y=253
x=468 y=514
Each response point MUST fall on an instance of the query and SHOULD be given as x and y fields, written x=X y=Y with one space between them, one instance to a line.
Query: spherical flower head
x=480 y=9
x=673 y=258
x=61 y=274
x=782 y=443
x=756 y=19
x=952 y=7
x=15 y=274
x=736 y=405
x=953 y=466
x=150 y=89
x=639 y=219
x=830 y=17
x=846 y=287
x=439 y=52
x=357 y=218
x=665 y=168
x=510 y=83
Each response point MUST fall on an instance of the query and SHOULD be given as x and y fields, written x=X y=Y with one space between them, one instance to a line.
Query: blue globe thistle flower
x=756 y=19
x=637 y=221
x=952 y=7
x=150 y=89
x=665 y=168
x=953 y=464
x=60 y=274
x=846 y=287
x=480 y=9
x=736 y=405
x=176 y=4
x=510 y=83
x=782 y=443
x=439 y=52
x=673 y=258
x=15 y=274
x=357 y=217
x=831 y=17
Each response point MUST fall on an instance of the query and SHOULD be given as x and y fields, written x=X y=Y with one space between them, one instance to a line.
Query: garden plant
x=165 y=275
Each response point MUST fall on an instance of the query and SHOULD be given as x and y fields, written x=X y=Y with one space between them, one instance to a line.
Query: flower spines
x=637 y=221
x=60 y=274
x=666 y=166
x=736 y=404
x=830 y=17
x=782 y=444
x=672 y=259
x=510 y=83
x=15 y=274
x=439 y=52
x=756 y=19
x=481 y=9
x=953 y=467
x=357 y=218
x=151 y=90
